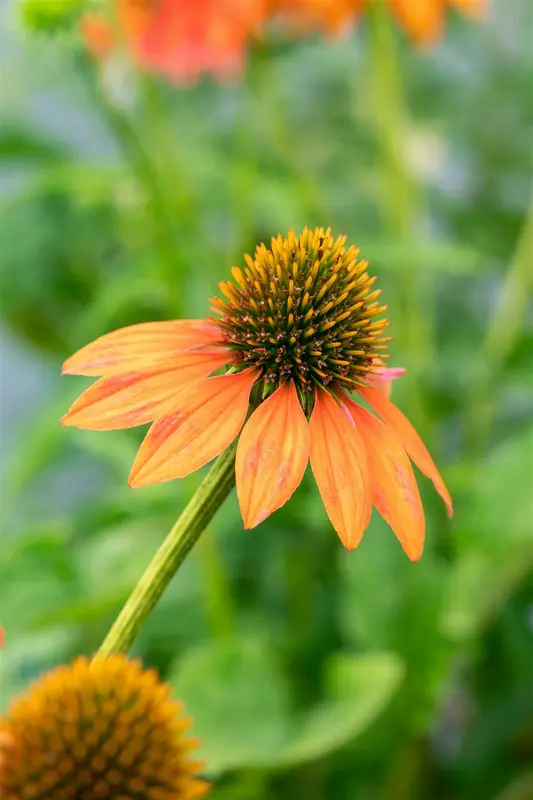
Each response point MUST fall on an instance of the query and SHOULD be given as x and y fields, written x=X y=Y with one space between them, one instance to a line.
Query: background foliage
x=310 y=672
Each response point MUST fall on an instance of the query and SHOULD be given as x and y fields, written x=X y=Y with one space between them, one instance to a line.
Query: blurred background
x=309 y=672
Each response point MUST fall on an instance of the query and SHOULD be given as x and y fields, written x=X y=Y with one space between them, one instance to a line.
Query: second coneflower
x=422 y=19
x=300 y=340
x=179 y=39
x=100 y=730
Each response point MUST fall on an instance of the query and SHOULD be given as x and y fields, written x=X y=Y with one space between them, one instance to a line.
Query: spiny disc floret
x=97 y=731
x=304 y=310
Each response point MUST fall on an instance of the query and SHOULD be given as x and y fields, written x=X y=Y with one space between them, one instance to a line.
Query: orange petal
x=272 y=455
x=98 y=36
x=394 y=488
x=415 y=447
x=340 y=467
x=422 y=19
x=206 y=421
x=140 y=347
x=383 y=382
x=473 y=7
x=135 y=398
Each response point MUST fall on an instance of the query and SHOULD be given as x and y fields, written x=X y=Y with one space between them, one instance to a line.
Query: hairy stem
x=204 y=504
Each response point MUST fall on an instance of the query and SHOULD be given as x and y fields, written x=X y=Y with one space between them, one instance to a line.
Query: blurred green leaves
x=236 y=686
x=49 y=16
x=344 y=676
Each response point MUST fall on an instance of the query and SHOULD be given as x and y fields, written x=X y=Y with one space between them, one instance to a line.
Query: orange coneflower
x=182 y=39
x=299 y=338
x=422 y=19
x=331 y=15
x=97 y=730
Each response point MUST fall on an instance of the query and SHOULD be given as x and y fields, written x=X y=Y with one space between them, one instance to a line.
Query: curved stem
x=165 y=241
x=501 y=336
x=138 y=157
x=515 y=297
x=204 y=504
x=399 y=191
x=388 y=105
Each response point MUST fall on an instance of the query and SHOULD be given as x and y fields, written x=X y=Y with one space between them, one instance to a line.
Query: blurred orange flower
x=181 y=39
x=422 y=19
x=297 y=333
x=332 y=15
x=98 y=36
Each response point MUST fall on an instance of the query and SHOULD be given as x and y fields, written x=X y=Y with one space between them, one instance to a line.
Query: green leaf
x=27 y=656
x=359 y=688
x=477 y=587
x=239 y=703
x=448 y=257
x=501 y=501
x=36 y=576
x=496 y=546
x=238 y=700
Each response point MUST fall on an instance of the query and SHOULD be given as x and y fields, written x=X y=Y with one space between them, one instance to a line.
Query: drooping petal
x=422 y=19
x=205 y=422
x=135 y=398
x=340 y=467
x=413 y=444
x=272 y=455
x=140 y=346
x=394 y=489
x=382 y=382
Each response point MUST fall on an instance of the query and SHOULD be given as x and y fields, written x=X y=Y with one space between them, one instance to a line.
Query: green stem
x=399 y=195
x=206 y=501
x=388 y=105
x=163 y=228
x=501 y=337
x=516 y=294
x=165 y=240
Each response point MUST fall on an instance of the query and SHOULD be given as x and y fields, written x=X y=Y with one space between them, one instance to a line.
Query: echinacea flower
x=100 y=730
x=300 y=341
x=331 y=15
x=422 y=19
x=181 y=39
x=98 y=36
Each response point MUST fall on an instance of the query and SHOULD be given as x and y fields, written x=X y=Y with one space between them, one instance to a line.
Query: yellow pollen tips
x=301 y=311
x=103 y=729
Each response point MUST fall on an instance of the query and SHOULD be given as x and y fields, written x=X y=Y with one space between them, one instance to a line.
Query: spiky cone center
x=304 y=310
x=101 y=730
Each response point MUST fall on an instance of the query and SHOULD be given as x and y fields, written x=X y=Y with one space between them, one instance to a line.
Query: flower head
x=299 y=335
x=103 y=730
x=422 y=19
x=182 y=39
x=331 y=15
x=304 y=311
